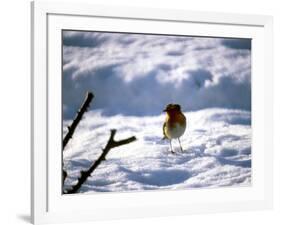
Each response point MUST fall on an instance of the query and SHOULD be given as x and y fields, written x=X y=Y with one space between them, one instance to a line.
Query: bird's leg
x=171 y=146
x=180 y=145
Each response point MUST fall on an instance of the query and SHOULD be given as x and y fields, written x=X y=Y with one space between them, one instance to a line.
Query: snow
x=146 y=72
x=217 y=152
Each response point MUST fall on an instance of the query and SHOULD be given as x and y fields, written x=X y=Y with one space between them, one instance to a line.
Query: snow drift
x=137 y=75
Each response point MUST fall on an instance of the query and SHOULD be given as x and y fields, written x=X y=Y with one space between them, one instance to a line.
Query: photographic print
x=154 y=112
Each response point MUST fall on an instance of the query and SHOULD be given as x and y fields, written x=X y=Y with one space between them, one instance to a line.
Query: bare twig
x=77 y=119
x=71 y=129
x=110 y=144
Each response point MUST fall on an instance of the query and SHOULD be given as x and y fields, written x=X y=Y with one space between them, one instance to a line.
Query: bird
x=175 y=124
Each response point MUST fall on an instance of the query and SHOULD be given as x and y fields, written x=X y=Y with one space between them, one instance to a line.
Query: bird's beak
x=165 y=110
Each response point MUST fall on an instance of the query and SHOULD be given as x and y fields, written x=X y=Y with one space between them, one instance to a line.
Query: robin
x=175 y=124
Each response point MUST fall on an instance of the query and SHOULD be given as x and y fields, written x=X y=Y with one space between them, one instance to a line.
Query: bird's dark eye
x=177 y=106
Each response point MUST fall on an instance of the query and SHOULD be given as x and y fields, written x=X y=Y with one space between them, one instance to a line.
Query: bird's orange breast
x=176 y=118
x=174 y=126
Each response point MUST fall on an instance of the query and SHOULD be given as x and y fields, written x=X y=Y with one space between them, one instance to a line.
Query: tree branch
x=77 y=119
x=110 y=144
x=71 y=129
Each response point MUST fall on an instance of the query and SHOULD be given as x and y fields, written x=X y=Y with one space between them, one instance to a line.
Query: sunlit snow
x=217 y=152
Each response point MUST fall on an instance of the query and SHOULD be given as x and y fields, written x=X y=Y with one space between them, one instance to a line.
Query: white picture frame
x=48 y=205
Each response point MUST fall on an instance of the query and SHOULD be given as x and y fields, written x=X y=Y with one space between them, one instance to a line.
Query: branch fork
x=110 y=144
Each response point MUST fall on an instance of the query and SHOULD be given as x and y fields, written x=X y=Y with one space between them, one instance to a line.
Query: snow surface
x=217 y=152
